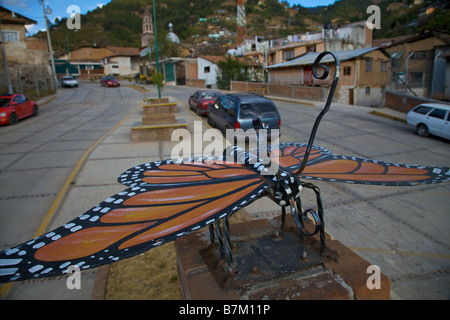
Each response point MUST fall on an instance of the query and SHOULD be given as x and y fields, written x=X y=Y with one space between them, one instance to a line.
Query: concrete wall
x=125 y=66
x=403 y=102
x=300 y=92
x=197 y=83
x=209 y=77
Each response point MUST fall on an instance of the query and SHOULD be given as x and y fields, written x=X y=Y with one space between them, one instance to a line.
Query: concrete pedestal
x=158 y=122
x=273 y=263
x=156 y=132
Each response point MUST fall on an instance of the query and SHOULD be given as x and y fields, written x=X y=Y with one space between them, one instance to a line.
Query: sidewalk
x=95 y=181
x=382 y=112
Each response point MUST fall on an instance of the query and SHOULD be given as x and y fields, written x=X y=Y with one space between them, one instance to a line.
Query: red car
x=109 y=81
x=16 y=106
x=200 y=100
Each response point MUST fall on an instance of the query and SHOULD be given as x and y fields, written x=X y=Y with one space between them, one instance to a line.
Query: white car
x=68 y=81
x=431 y=118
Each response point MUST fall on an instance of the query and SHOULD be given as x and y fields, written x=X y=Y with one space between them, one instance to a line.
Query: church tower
x=147 y=27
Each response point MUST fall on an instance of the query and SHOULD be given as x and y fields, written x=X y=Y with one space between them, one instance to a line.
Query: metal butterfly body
x=168 y=199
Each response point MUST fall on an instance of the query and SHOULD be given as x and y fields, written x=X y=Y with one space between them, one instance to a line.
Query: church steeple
x=147 y=27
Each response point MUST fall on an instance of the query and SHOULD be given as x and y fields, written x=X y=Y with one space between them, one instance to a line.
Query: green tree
x=229 y=70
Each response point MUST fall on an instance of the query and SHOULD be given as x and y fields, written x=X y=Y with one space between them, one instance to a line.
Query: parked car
x=238 y=110
x=109 y=81
x=431 y=118
x=16 y=106
x=68 y=81
x=200 y=100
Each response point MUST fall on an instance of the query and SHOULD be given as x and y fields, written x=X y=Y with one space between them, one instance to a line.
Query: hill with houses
x=213 y=22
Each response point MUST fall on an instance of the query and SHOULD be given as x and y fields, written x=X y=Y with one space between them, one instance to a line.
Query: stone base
x=161 y=118
x=273 y=263
x=156 y=132
x=162 y=100
x=159 y=113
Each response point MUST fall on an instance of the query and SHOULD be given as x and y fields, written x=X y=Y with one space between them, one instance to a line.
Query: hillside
x=119 y=23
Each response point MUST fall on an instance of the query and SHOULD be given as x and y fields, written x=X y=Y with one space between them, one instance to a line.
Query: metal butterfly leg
x=289 y=198
x=223 y=240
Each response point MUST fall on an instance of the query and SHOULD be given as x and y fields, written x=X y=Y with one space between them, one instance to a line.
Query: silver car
x=238 y=110
x=69 y=81
x=431 y=118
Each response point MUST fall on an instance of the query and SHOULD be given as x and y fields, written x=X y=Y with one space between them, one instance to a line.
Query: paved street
x=403 y=230
x=38 y=154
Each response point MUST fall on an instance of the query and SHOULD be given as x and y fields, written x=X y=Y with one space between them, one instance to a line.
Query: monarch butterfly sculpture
x=168 y=199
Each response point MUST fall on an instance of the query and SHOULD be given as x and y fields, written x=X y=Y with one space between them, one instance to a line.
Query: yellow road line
x=4 y=290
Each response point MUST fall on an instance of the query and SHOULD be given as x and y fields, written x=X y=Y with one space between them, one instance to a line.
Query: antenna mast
x=241 y=22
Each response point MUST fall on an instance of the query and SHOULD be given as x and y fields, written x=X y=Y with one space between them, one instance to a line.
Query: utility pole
x=50 y=49
x=156 y=45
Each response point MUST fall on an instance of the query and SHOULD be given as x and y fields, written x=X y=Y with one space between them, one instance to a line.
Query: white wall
x=210 y=77
x=125 y=66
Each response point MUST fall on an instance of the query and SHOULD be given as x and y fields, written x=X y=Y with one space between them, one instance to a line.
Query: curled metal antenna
x=324 y=75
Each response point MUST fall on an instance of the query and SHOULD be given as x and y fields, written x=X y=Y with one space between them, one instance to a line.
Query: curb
x=388 y=116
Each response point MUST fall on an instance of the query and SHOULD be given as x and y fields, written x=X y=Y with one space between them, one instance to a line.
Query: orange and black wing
x=326 y=166
x=170 y=200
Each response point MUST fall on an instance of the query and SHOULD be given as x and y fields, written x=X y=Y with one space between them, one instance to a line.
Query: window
x=226 y=103
x=422 y=109
x=416 y=79
x=438 y=113
x=347 y=71
x=4 y=102
x=367 y=90
x=419 y=55
x=311 y=49
x=288 y=54
x=19 y=99
x=383 y=66
x=206 y=69
x=368 y=65
x=115 y=66
x=255 y=110
x=10 y=36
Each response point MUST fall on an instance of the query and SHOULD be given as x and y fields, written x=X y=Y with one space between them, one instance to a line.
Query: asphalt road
x=403 y=230
x=38 y=154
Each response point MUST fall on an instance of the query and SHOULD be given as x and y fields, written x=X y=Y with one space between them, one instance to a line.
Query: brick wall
x=301 y=92
x=200 y=83
x=403 y=102
x=309 y=93
x=191 y=70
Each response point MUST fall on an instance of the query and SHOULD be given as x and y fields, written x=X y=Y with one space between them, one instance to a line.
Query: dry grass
x=151 y=275
x=148 y=276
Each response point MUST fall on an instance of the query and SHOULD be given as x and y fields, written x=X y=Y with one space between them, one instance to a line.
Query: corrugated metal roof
x=310 y=57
